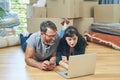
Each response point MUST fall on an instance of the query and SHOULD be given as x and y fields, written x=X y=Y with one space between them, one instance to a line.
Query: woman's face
x=72 y=41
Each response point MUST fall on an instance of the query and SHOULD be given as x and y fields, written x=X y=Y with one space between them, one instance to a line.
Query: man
x=41 y=47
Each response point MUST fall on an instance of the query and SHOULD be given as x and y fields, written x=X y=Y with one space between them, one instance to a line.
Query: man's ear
x=41 y=33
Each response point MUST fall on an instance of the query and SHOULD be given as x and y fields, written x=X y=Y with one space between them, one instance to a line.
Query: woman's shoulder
x=62 y=41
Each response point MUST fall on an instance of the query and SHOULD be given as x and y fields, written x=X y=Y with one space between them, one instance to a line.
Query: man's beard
x=49 y=43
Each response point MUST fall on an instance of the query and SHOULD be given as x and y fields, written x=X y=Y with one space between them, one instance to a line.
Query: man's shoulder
x=58 y=37
x=36 y=34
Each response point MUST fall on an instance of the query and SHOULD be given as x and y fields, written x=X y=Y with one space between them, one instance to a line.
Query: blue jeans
x=23 y=41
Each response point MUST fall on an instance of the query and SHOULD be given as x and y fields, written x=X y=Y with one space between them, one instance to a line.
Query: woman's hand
x=64 y=59
x=63 y=64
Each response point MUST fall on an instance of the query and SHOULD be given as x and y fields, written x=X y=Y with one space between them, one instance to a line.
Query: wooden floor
x=13 y=67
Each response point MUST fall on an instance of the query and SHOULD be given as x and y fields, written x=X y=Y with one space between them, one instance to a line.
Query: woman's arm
x=59 y=54
x=63 y=64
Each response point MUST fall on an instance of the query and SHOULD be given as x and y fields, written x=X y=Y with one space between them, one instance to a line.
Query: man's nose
x=53 y=38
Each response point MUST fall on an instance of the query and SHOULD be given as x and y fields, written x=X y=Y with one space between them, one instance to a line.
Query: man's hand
x=47 y=65
x=44 y=65
x=51 y=66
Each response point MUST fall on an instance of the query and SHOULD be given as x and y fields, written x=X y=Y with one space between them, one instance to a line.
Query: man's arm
x=32 y=62
x=53 y=58
x=52 y=62
x=29 y=54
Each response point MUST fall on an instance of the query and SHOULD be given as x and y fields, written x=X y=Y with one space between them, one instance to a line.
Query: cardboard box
x=33 y=24
x=83 y=24
x=64 y=8
x=88 y=8
x=108 y=13
x=36 y=12
x=39 y=12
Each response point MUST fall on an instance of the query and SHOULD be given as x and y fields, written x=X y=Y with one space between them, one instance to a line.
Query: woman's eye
x=74 y=39
x=69 y=39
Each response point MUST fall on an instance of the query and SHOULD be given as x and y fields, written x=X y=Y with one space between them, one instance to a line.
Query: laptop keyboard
x=66 y=73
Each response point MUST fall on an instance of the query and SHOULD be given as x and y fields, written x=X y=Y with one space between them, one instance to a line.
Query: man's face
x=49 y=36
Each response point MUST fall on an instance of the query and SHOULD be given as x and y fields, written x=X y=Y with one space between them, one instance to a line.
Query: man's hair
x=47 y=24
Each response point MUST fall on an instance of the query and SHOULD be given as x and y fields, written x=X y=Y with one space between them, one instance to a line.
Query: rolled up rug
x=104 y=39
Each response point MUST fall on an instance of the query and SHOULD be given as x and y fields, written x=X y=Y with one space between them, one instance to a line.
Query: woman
x=72 y=43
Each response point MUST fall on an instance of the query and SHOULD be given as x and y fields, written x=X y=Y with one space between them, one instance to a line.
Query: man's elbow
x=27 y=61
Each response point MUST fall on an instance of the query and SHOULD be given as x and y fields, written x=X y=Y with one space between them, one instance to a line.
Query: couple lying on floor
x=45 y=49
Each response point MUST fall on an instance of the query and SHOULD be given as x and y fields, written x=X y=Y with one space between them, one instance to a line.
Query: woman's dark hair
x=47 y=24
x=71 y=31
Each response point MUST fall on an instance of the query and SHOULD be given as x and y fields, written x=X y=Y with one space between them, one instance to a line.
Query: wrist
x=61 y=62
x=53 y=59
x=40 y=66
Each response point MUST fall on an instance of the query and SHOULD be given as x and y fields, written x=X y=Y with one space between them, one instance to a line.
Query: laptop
x=79 y=65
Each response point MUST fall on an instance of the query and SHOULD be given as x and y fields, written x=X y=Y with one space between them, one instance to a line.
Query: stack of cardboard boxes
x=79 y=12
x=107 y=13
